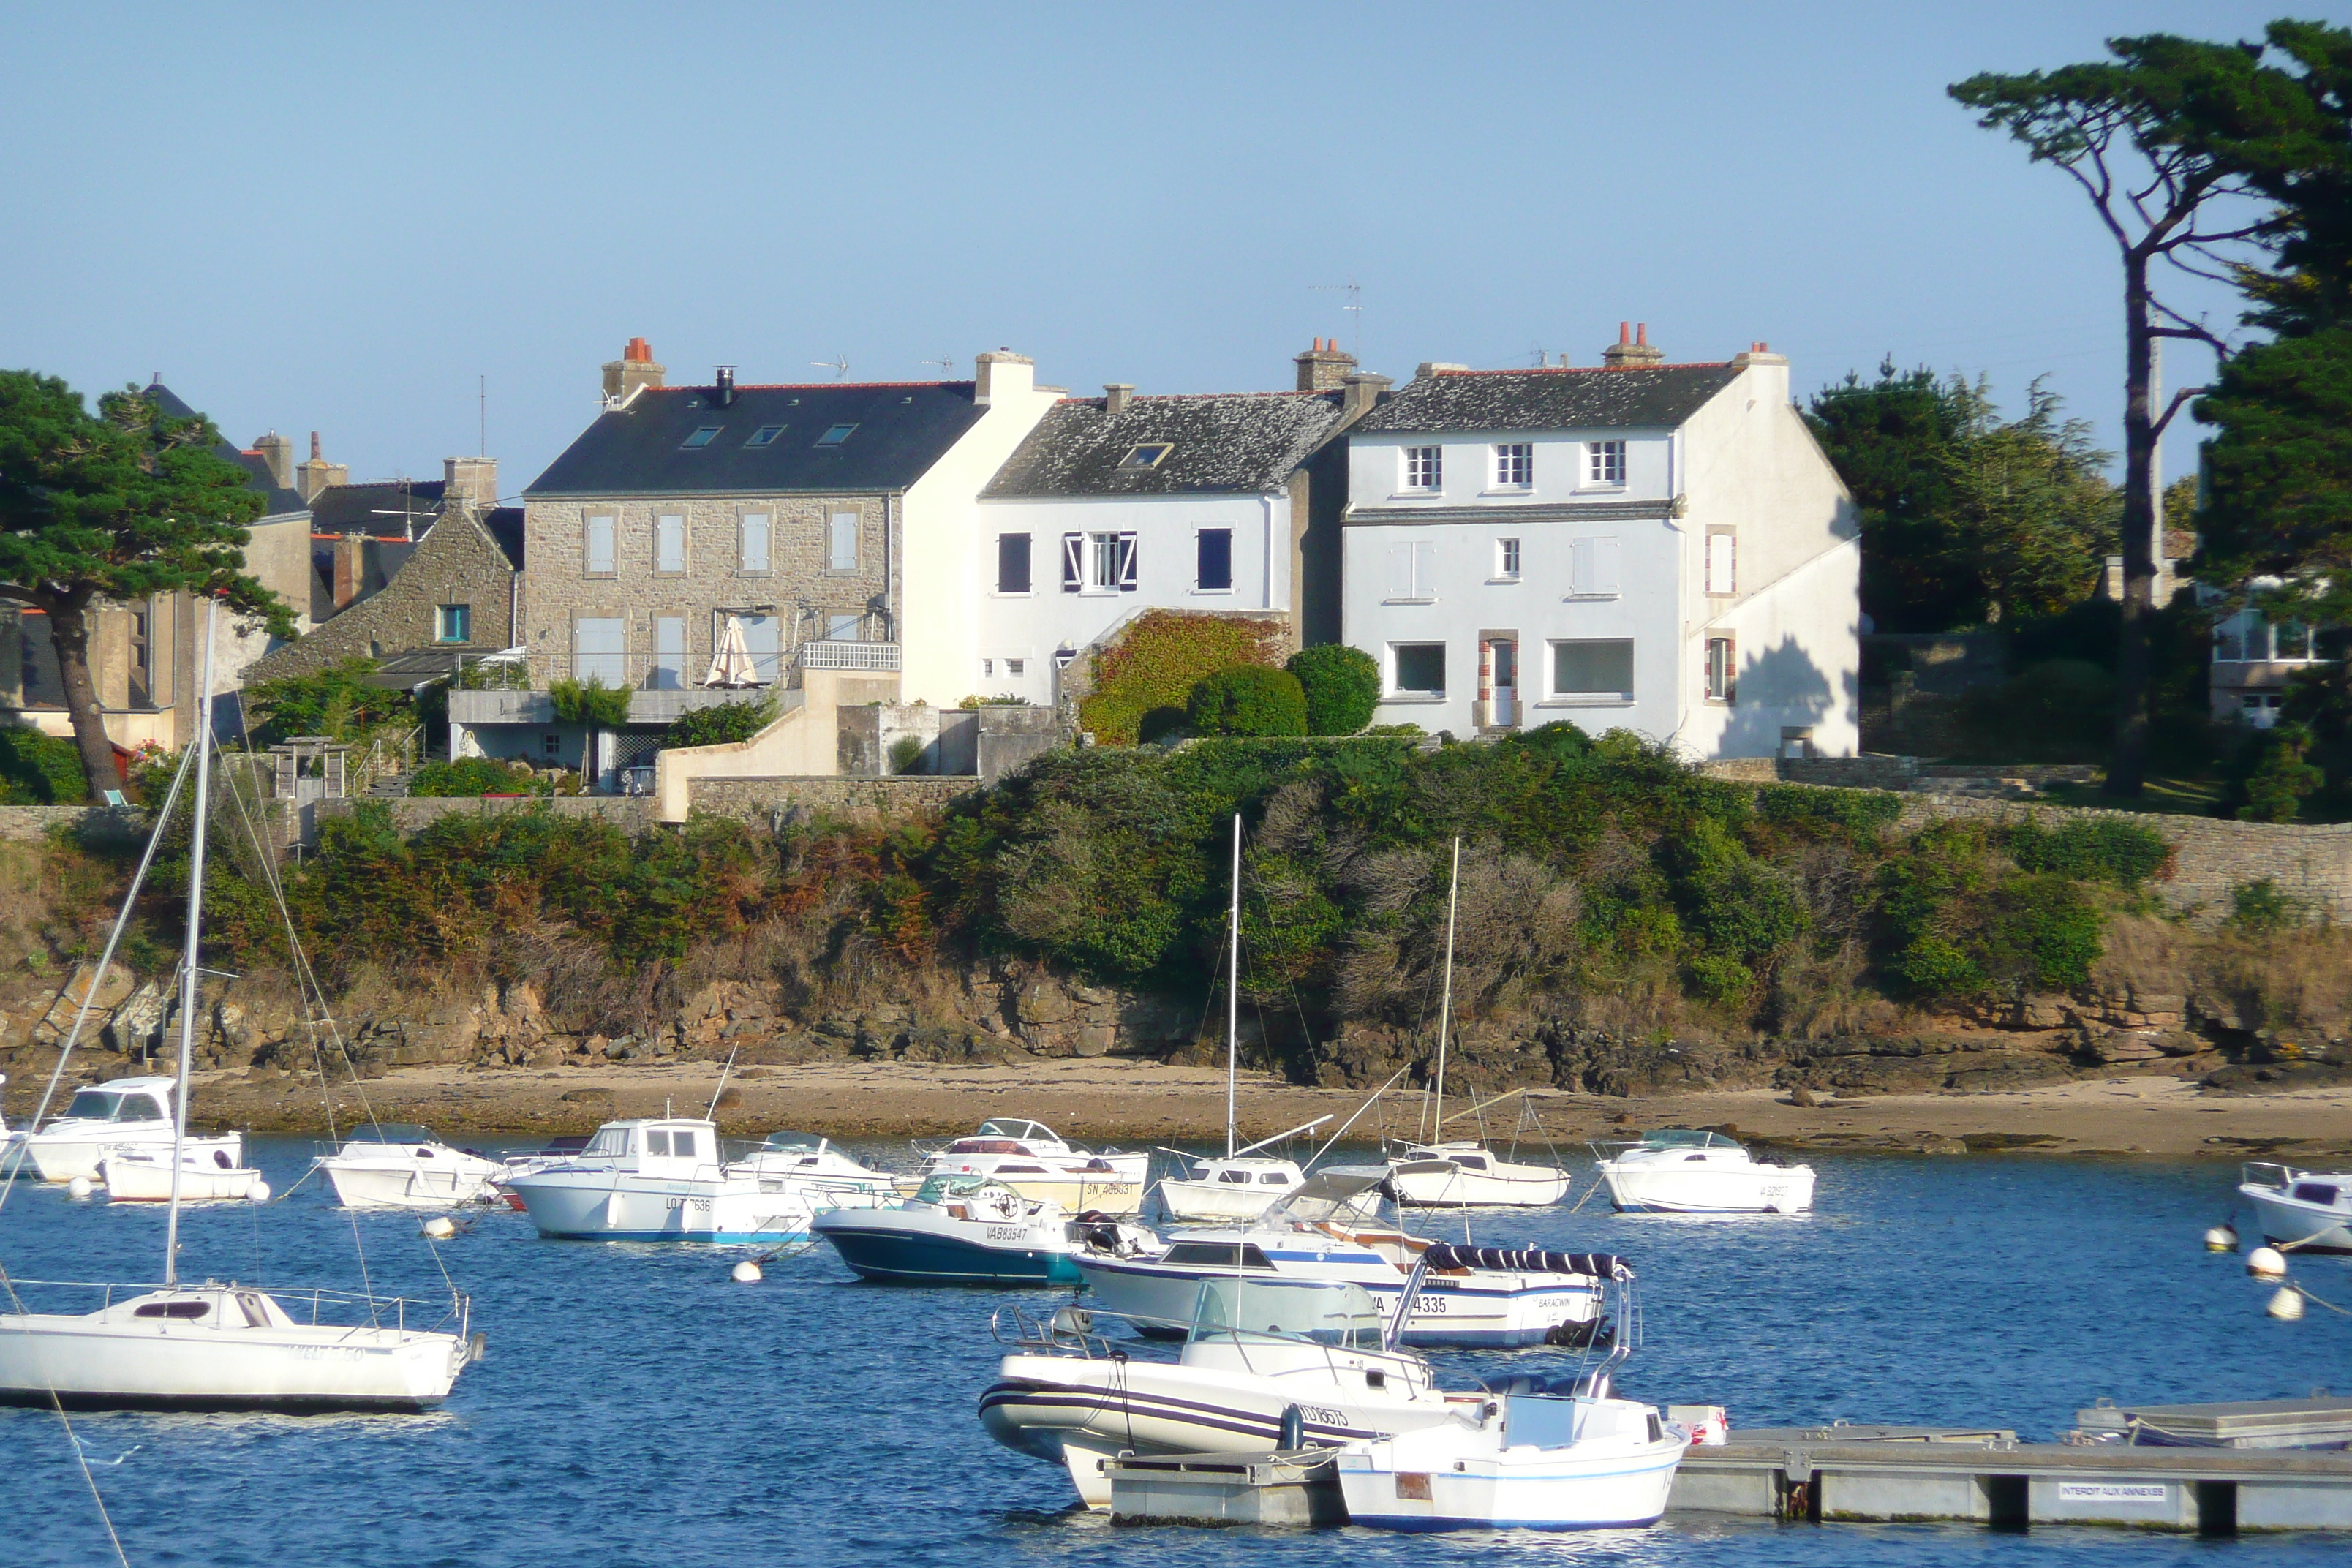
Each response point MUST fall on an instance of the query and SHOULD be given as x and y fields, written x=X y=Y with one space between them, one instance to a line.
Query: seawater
x=638 y=1407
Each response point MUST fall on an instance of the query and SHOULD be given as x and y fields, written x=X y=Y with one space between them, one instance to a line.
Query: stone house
x=1662 y=548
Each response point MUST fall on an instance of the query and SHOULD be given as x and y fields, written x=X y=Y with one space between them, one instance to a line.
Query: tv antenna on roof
x=946 y=364
x=1355 y=305
x=838 y=365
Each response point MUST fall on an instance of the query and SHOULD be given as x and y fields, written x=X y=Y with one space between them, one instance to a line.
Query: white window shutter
x=1425 y=570
x=1073 y=566
x=1580 y=566
x=1127 y=564
x=1604 y=566
x=1401 y=571
x=1719 y=559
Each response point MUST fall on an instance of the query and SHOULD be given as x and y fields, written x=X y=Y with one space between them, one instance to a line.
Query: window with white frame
x=1604 y=462
x=1515 y=465
x=1593 y=670
x=1098 y=564
x=1213 y=561
x=1413 y=573
x=1424 y=467
x=669 y=544
x=1721 y=561
x=758 y=532
x=1507 y=560
x=1417 y=670
x=841 y=541
x=1722 y=670
x=987 y=668
x=600 y=649
x=604 y=535
x=1016 y=666
x=1593 y=569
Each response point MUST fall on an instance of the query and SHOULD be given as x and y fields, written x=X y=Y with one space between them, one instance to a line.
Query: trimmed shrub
x=37 y=769
x=720 y=724
x=1248 y=700
x=473 y=775
x=2090 y=848
x=1142 y=685
x=1342 y=686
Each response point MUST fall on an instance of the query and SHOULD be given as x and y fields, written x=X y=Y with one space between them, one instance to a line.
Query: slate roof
x=505 y=525
x=361 y=508
x=1643 y=397
x=1248 y=442
x=280 y=501
x=903 y=428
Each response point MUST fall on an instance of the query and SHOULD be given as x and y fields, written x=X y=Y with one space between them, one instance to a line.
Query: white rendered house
x=1644 y=546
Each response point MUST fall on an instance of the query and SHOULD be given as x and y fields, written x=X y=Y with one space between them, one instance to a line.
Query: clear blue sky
x=337 y=218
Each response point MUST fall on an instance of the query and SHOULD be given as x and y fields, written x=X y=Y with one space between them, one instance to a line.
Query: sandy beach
x=1142 y=1103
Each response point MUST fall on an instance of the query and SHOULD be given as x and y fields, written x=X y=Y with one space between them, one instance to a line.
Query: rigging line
x=105 y=964
x=268 y=879
x=58 y=1406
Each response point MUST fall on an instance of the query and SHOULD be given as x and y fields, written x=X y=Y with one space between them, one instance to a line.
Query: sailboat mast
x=1234 y=994
x=195 y=926
x=1445 y=1001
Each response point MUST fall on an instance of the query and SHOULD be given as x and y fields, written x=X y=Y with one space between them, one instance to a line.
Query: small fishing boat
x=140 y=1176
x=394 y=1165
x=2307 y=1211
x=1267 y=1363
x=1028 y=1157
x=956 y=1230
x=125 y=1115
x=1687 y=1171
x=1562 y=1453
x=1235 y=1187
x=659 y=1179
x=816 y=1165
x=1490 y=1297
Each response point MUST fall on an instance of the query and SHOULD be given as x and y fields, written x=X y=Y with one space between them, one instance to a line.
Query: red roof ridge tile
x=1588 y=369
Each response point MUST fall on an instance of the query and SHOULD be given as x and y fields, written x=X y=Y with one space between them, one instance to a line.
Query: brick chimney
x=1631 y=349
x=1362 y=390
x=278 y=452
x=1002 y=374
x=350 y=567
x=1117 y=395
x=1324 y=367
x=317 y=473
x=632 y=373
x=471 y=481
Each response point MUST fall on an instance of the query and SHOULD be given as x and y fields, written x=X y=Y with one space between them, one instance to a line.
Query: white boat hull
x=1446 y=1479
x=2300 y=1223
x=396 y=1183
x=133 y=1179
x=1505 y=1311
x=62 y=1158
x=606 y=1206
x=1505 y=1185
x=1709 y=1188
x=1117 y=1193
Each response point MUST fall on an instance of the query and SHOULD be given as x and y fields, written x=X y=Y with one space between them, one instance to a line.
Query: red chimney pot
x=1642 y=334
x=1624 y=332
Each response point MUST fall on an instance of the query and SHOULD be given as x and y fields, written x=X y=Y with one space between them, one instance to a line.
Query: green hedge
x=720 y=724
x=1248 y=700
x=1342 y=686
x=1143 y=684
x=37 y=769
x=2097 y=849
x=473 y=775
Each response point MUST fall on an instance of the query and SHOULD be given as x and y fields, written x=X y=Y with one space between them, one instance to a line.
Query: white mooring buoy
x=78 y=1187
x=2286 y=1306
x=2267 y=1263
x=440 y=1228
x=2222 y=1238
x=747 y=1273
x=260 y=1192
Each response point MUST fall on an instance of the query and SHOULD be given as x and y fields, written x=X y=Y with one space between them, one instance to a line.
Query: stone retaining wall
x=32 y=823
x=412 y=814
x=760 y=799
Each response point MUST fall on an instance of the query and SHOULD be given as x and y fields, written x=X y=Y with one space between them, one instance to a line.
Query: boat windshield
x=1318 y=1311
x=795 y=1143
x=1006 y=1127
x=94 y=1103
x=391 y=1132
x=938 y=1189
x=613 y=1140
x=1687 y=1138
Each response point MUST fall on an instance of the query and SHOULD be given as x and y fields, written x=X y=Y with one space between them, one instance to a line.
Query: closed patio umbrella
x=731 y=665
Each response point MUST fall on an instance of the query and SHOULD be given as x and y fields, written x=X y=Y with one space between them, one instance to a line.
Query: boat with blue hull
x=955 y=1230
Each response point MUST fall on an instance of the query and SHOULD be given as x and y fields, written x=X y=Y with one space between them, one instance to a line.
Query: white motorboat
x=957 y=1230
x=1030 y=1159
x=816 y=1165
x=122 y=1116
x=1267 y=1363
x=140 y=1176
x=1563 y=1456
x=1237 y=1187
x=1686 y=1171
x=1467 y=1297
x=1471 y=1175
x=216 y=1346
x=659 y=1179
x=2303 y=1211
x=394 y=1165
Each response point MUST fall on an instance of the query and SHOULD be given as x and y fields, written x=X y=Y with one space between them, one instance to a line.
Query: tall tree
x=114 y=508
x=2160 y=139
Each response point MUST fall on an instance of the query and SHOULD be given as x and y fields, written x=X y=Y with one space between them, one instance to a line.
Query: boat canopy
x=1528 y=1261
x=1687 y=1137
x=1323 y=1193
x=1319 y=1312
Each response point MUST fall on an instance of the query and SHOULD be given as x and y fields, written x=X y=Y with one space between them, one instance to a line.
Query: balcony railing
x=830 y=655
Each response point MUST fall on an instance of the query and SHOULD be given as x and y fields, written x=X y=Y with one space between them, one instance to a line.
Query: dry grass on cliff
x=2295 y=979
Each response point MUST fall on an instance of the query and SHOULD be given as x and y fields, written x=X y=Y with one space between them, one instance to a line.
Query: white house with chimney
x=1660 y=548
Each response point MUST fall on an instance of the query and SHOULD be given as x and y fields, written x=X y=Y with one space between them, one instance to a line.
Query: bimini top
x=1528 y=1261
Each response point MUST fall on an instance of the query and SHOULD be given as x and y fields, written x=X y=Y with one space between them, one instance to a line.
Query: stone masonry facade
x=457 y=562
x=798 y=587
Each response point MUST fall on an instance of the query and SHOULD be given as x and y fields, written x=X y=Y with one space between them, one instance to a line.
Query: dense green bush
x=336 y=702
x=474 y=775
x=1860 y=814
x=1248 y=700
x=1957 y=918
x=37 y=769
x=2090 y=849
x=1141 y=684
x=720 y=724
x=1342 y=683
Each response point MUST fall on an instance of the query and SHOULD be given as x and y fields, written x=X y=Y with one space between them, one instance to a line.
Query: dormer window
x=702 y=437
x=836 y=435
x=765 y=436
x=1149 y=455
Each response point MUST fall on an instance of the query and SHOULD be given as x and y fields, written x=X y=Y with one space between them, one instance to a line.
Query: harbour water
x=638 y=1407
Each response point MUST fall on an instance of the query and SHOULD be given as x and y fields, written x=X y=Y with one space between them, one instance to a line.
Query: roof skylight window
x=836 y=435
x=765 y=436
x=702 y=437
x=1150 y=455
